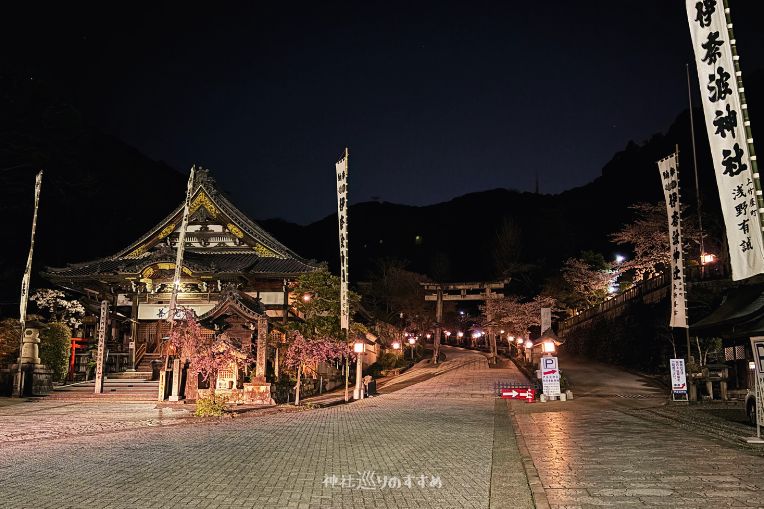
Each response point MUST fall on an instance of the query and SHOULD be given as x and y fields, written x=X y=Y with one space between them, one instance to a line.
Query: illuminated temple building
x=235 y=277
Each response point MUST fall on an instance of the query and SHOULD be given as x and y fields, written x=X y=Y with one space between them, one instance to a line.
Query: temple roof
x=234 y=302
x=220 y=240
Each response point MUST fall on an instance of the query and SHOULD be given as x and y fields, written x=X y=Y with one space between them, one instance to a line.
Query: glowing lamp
x=447 y=333
x=460 y=334
x=519 y=341
x=619 y=258
x=548 y=346
x=708 y=258
x=396 y=345
x=358 y=347
x=752 y=365
x=306 y=297
x=429 y=336
x=529 y=344
x=412 y=341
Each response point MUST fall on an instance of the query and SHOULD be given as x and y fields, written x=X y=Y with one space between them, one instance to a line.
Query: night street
x=356 y=255
x=586 y=452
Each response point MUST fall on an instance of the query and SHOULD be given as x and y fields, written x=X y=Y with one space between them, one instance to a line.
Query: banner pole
x=19 y=388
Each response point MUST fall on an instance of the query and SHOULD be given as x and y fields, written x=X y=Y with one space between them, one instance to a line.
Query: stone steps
x=129 y=389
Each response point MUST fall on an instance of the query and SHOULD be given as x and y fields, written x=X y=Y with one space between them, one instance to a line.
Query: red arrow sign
x=550 y=372
x=519 y=393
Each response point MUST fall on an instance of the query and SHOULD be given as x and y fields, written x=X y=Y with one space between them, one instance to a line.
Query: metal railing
x=660 y=282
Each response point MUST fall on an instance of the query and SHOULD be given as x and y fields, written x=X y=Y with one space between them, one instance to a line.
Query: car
x=750 y=407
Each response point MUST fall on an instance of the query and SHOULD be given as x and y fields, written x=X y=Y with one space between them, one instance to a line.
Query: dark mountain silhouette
x=455 y=240
x=100 y=194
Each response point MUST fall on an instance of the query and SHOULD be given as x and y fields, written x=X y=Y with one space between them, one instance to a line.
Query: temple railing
x=139 y=353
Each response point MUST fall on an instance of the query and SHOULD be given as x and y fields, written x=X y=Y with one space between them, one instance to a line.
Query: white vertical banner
x=28 y=269
x=728 y=133
x=669 y=173
x=546 y=319
x=181 y=247
x=342 y=216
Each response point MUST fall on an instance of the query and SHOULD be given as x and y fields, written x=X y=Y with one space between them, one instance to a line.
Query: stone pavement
x=433 y=444
x=613 y=446
x=48 y=419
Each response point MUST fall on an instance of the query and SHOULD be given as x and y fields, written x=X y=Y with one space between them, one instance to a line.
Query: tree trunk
x=297 y=387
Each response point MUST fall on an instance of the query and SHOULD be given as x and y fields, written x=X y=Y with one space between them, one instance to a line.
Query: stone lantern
x=37 y=377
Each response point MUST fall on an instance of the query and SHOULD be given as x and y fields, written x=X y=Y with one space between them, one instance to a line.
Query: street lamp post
x=358 y=390
x=412 y=342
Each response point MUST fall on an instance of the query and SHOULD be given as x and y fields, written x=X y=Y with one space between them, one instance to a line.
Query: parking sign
x=550 y=375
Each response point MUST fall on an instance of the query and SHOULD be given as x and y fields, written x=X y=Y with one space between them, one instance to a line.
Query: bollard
x=563 y=397
x=543 y=398
x=569 y=394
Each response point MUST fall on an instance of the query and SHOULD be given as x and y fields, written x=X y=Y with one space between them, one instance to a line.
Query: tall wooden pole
x=19 y=388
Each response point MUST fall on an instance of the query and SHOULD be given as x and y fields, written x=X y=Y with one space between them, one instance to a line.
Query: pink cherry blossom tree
x=304 y=352
x=206 y=354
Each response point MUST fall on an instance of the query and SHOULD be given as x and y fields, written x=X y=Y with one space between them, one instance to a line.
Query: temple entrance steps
x=126 y=389
x=130 y=375
x=145 y=364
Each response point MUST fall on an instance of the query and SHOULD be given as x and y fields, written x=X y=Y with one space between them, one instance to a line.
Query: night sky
x=433 y=99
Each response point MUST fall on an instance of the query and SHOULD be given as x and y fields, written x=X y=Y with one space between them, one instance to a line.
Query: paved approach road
x=604 y=448
x=445 y=442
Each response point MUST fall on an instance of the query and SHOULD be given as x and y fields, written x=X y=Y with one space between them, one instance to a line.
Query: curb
x=534 y=481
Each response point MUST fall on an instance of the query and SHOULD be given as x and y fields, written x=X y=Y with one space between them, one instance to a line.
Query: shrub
x=211 y=406
x=55 y=345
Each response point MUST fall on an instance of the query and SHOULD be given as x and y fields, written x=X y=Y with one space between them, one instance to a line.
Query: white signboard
x=102 y=322
x=161 y=311
x=728 y=134
x=669 y=172
x=550 y=376
x=678 y=377
x=757 y=345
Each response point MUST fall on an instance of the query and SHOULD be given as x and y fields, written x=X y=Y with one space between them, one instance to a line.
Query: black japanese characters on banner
x=719 y=82
x=342 y=217
x=669 y=172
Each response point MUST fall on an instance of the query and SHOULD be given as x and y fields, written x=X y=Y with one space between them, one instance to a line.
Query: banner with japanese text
x=28 y=268
x=719 y=79
x=342 y=216
x=669 y=172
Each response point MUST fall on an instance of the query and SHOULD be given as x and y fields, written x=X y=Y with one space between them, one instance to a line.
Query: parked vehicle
x=750 y=407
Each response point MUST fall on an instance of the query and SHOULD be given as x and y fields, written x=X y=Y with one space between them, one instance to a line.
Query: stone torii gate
x=480 y=291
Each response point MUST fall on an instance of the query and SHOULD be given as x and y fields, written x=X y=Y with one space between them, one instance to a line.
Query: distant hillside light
x=418 y=240
x=619 y=258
